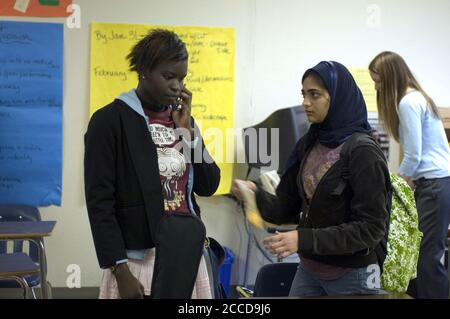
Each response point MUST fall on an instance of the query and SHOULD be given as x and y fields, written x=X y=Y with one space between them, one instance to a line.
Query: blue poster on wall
x=31 y=62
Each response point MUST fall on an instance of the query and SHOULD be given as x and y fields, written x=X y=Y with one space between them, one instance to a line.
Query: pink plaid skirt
x=143 y=271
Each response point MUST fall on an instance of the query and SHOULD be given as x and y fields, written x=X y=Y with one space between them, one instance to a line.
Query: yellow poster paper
x=210 y=78
x=365 y=83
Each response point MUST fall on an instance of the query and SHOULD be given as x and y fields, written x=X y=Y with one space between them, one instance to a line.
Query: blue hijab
x=347 y=113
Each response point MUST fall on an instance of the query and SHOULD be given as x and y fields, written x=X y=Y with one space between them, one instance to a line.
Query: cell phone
x=177 y=106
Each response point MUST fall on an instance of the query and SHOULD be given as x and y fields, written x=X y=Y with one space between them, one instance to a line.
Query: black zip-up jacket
x=346 y=218
x=122 y=182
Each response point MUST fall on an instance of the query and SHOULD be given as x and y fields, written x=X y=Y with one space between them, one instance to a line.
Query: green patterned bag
x=400 y=257
x=403 y=244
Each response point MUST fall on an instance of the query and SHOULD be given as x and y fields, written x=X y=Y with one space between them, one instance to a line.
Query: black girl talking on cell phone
x=137 y=171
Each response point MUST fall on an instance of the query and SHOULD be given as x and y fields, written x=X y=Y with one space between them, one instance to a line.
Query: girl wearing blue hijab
x=347 y=112
x=341 y=205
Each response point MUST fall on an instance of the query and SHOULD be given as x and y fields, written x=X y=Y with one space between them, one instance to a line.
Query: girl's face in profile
x=316 y=100
x=376 y=79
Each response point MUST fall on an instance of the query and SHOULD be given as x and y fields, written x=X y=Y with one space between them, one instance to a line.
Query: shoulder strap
x=357 y=139
x=397 y=191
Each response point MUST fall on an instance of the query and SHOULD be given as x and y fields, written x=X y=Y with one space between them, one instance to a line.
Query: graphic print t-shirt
x=319 y=161
x=173 y=170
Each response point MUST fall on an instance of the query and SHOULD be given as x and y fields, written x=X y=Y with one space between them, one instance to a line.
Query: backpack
x=398 y=252
x=404 y=239
x=214 y=258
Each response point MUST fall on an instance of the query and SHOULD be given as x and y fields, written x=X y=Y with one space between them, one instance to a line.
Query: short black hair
x=158 y=46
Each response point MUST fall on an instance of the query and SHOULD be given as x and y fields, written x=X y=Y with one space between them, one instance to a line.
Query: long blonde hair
x=396 y=78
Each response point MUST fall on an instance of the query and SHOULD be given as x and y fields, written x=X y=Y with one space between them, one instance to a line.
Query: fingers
x=236 y=190
x=279 y=245
x=277 y=248
x=285 y=254
x=186 y=97
x=186 y=91
x=141 y=288
x=281 y=252
x=272 y=242
x=184 y=103
x=268 y=241
x=250 y=185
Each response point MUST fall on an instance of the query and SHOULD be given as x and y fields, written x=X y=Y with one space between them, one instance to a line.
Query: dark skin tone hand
x=182 y=116
x=128 y=285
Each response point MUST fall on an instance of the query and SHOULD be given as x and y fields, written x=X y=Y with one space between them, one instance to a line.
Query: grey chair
x=15 y=269
x=19 y=269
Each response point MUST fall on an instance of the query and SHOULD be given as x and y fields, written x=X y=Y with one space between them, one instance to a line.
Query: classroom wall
x=276 y=41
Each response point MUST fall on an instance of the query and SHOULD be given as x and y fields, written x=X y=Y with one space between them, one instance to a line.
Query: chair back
x=23 y=213
x=275 y=280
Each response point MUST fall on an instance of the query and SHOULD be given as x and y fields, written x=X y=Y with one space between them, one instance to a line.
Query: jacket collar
x=131 y=99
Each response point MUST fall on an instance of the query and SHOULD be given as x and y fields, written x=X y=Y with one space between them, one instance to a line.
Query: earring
x=143 y=77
